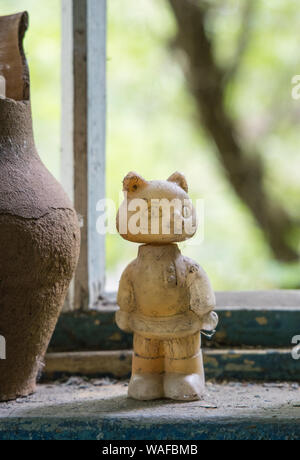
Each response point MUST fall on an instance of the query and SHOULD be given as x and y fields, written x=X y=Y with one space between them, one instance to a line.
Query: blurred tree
x=208 y=81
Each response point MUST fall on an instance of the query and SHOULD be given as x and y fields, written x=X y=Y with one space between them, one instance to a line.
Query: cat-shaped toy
x=165 y=299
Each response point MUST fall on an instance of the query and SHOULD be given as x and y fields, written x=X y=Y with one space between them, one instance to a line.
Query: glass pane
x=155 y=129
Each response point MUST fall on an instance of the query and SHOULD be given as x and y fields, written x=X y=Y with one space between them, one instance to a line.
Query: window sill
x=84 y=410
x=258 y=319
x=253 y=340
x=220 y=364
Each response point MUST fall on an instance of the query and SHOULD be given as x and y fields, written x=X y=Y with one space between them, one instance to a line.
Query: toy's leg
x=184 y=379
x=147 y=369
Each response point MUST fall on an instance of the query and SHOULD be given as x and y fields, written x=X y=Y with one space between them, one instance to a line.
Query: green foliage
x=153 y=126
x=42 y=46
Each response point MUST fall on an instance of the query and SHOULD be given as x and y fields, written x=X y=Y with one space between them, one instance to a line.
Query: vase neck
x=16 y=124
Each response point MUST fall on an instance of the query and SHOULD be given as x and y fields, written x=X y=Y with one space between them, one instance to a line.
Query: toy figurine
x=165 y=299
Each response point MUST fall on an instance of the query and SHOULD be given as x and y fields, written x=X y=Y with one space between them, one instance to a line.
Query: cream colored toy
x=165 y=298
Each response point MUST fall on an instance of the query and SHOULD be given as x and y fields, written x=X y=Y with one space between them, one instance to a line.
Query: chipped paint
x=116 y=337
x=269 y=328
x=220 y=336
x=262 y=321
x=209 y=361
x=248 y=364
x=232 y=355
x=241 y=368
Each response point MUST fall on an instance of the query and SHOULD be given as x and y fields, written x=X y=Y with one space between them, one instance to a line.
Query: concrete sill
x=99 y=410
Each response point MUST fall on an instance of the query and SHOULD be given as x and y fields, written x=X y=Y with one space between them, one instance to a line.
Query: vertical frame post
x=83 y=136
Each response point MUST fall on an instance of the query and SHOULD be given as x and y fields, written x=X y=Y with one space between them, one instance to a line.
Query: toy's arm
x=202 y=297
x=126 y=301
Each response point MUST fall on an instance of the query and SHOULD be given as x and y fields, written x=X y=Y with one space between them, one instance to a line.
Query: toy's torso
x=163 y=294
x=160 y=283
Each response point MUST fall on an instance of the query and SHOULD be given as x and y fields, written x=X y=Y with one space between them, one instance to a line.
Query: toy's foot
x=183 y=387
x=145 y=387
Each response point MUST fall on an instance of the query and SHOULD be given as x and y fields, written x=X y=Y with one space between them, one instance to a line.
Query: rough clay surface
x=27 y=189
x=100 y=401
x=39 y=230
x=38 y=258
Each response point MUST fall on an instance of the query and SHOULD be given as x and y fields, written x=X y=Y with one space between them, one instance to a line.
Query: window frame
x=254 y=339
x=84 y=137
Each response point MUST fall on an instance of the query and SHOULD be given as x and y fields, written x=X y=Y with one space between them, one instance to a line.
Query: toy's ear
x=180 y=180
x=133 y=182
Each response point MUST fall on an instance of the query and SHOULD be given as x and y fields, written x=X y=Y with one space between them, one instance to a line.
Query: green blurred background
x=153 y=128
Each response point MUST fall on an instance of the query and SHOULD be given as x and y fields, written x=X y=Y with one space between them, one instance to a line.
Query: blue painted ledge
x=257 y=365
x=250 y=319
x=99 y=410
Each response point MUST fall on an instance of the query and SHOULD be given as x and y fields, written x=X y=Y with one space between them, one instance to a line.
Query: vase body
x=39 y=238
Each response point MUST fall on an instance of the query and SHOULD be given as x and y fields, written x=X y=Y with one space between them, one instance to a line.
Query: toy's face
x=156 y=212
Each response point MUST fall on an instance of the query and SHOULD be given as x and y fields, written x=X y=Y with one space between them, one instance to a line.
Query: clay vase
x=39 y=230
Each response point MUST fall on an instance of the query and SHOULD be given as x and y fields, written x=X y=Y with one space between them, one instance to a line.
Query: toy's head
x=156 y=212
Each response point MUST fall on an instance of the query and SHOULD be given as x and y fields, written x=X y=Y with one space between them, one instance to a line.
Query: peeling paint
x=262 y=321
x=231 y=355
x=220 y=336
x=241 y=368
x=211 y=361
x=116 y=337
x=269 y=328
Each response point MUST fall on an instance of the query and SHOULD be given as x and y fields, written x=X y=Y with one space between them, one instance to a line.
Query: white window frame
x=83 y=136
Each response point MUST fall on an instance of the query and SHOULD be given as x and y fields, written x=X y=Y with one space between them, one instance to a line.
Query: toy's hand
x=123 y=321
x=210 y=321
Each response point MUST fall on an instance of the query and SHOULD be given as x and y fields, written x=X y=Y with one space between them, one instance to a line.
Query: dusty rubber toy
x=165 y=298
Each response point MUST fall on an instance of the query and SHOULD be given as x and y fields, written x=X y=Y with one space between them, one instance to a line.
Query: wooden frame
x=83 y=136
